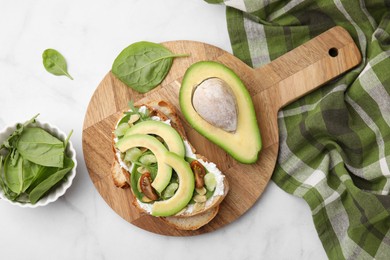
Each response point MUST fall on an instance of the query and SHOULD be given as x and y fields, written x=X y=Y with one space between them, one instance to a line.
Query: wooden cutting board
x=271 y=87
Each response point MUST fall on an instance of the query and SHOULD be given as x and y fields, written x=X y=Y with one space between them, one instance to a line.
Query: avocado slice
x=168 y=133
x=164 y=172
x=244 y=142
x=183 y=194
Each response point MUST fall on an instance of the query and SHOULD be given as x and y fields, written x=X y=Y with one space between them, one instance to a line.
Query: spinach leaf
x=14 y=155
x=2 y=184
x=11 y=141
x=40 y=147
x=30 y=170
x=134 y=178
x=35 y=162
x=67 y=139
x=20 y=176
x=143 y=65
x=7 y=192
x=14 y=174
x=45 y=172
x=55 y=63
x=42 y=188
x=41 y=174
x=1 y=171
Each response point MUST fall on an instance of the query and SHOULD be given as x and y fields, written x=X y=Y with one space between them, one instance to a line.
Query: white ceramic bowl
x=59 y=190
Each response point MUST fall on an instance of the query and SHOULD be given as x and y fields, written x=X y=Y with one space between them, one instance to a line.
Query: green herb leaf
x=30 y=170
x=10 y=142
x=132 y=107
x=42 y=188
x=35 y=161
x=14 y=155
x=40 y=147
x=42 y=173
x=55 y=63
x=135 y=110
x=134 y=177
x=67 y=139
x=19 y=177
x=14 y=174
x=47 y=184
x=7 y=192
x=1 y=168
x=143 y=65
x=153 y=170
x=2 y=184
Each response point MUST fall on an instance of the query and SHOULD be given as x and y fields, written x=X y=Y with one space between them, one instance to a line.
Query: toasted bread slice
x=170 y=112
x=211 y=203
x=201 y=213
x=119 y=175
x=178 y=222
x=194 y=222
x=121 y=180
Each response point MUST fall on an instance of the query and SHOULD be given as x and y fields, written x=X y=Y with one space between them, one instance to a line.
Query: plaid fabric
x=335 y=142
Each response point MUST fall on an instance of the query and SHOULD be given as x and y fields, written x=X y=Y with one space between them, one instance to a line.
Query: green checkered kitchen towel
x=335 y=142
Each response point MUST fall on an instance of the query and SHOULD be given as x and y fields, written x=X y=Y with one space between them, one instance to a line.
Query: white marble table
x=80 y=225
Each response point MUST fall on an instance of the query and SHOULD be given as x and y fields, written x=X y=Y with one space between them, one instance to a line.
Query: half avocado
x=243 y=142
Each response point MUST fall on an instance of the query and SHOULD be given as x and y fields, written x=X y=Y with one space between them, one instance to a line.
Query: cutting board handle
x=310 y=65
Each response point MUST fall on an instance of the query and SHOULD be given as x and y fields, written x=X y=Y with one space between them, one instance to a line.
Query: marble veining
x=80 y=225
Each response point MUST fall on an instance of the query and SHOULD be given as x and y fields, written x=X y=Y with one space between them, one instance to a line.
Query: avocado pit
x=215 y=102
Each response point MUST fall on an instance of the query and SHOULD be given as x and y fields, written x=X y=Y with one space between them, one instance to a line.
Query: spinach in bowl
x=36 y=159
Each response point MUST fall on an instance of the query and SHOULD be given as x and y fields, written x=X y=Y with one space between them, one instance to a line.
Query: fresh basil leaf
x=45 y=186
x=143 y=65
x=14 y=174
x=40 y=147
x=55 y=63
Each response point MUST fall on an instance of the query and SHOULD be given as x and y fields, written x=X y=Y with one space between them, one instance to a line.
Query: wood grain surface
x=271 y=87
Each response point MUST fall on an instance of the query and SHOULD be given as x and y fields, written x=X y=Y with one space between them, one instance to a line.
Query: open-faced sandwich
x=167 y=178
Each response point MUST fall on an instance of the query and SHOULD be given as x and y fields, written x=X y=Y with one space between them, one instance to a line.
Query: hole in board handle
x=333 y=52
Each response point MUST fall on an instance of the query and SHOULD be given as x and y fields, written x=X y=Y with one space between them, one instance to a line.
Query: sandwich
x=168 y=179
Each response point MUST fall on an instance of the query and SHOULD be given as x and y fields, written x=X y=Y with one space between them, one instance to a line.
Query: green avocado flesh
x=244 y=144
x=164 y=171
x=168 y=133
x=183 y=194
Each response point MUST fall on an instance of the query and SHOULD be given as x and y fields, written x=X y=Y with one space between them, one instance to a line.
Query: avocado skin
x=245 y=143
